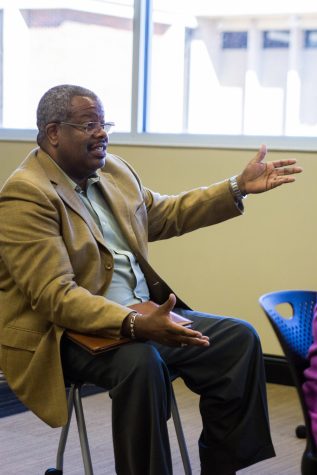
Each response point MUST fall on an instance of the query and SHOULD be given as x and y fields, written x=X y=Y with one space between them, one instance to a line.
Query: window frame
x=138 y=136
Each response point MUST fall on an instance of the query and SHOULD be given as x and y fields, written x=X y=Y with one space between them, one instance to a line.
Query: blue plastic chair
x=295 y=336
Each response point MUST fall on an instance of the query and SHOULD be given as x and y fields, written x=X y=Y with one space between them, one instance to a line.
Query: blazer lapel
x=68 y=194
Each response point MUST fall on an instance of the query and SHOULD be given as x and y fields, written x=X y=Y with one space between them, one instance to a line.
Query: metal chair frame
x=75 y=401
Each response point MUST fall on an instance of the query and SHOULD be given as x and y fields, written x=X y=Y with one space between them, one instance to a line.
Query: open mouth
x=98 y=149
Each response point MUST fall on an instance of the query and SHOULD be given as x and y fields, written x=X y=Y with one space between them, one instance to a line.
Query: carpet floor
x=10 y=404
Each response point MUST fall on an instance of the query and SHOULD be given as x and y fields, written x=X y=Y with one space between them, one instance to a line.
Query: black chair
x=295 y=336
x=75 y=401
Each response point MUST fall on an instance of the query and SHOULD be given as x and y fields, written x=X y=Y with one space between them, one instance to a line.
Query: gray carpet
x=10 y=404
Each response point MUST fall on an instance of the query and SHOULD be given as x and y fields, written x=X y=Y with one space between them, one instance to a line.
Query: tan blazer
x=55 y=265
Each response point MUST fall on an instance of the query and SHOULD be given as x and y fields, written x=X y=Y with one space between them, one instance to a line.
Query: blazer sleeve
x=174 y=215
x=166 y=216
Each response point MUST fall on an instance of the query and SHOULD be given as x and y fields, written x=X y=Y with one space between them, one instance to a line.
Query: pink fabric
x=310 y=385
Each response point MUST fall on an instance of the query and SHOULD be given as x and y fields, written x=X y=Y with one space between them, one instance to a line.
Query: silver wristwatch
x=235 y=188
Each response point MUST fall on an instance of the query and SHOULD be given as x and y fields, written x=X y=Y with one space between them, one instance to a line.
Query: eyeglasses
x=92 y=127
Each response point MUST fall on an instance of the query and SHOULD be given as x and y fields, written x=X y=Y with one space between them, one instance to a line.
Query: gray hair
x=54 y=106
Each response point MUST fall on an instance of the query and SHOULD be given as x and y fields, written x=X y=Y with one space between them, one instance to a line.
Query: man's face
x=78 y=152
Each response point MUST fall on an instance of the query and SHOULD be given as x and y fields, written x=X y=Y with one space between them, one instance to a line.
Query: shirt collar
x=94 y=178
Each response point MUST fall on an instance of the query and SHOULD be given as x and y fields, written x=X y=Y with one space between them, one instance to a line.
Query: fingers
x=169 y=304
x=183 y=341
x=202 y=341
x=180 y=330
x=288 y=170
x=281 y=166
x=174 y=334
x=178 y=335
x=284 y=163
x=181 y=335
x=282 y=173
x=280 y=180
x=261 y=153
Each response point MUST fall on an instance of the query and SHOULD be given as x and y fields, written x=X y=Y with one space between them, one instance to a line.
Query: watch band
x=235 y=188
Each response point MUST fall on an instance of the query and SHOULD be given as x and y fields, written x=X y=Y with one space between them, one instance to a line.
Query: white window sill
x=305 y=144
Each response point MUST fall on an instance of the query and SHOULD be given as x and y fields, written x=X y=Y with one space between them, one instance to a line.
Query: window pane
x=234 y=39
x=91 y=47
x=311 y=39
x=234 y=68
x=276 y=39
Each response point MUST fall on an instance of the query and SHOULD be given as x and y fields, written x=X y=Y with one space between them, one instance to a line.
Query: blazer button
x=109 y=266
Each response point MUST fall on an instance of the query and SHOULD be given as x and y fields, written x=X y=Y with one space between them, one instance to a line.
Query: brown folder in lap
x=96 y=344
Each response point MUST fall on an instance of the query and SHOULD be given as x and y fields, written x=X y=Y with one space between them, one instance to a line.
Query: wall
x=226 y=268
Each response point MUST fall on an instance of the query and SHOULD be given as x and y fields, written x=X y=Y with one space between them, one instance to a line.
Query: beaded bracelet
x=133 y=316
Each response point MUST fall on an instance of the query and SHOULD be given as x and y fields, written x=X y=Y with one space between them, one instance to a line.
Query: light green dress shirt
x=128 y=285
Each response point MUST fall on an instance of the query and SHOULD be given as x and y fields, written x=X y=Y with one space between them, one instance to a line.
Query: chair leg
x=74 y=400
x=65 y=430
x=309 y=463
x=180 y=434
x=82 y=431
x=301 y=432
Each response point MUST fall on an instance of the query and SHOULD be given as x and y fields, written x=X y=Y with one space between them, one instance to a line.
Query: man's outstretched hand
x=158 y=326
x=259 y=176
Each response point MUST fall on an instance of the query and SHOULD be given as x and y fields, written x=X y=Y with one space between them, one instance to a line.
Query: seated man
x=76 y=222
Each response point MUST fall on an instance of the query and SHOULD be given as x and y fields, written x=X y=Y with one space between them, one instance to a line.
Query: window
x=172 y=71
x=276 y=39
x=234 y=39
x=51 y=45
x=310 y=39
x=229 y=69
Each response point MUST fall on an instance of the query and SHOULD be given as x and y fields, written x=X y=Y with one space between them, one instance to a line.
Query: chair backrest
x=294 y=334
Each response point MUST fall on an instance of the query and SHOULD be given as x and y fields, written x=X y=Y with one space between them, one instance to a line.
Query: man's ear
x=52 y=133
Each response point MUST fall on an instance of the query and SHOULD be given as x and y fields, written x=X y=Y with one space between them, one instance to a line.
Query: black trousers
x=228 y=376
